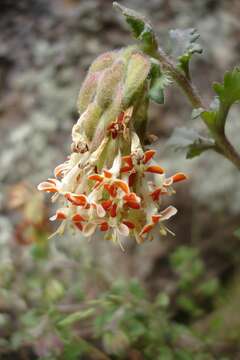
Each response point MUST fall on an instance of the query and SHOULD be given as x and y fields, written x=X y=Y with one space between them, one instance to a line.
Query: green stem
x=222 y=142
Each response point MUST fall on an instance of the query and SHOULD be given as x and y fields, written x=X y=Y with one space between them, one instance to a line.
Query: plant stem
x=222 y=142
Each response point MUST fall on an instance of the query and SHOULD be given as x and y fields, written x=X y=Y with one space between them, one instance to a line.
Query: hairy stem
x=222 y=142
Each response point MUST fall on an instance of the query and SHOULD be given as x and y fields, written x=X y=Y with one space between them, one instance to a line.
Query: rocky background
x=45 y=50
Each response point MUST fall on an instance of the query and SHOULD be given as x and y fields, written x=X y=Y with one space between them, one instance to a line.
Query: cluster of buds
x=109 y=183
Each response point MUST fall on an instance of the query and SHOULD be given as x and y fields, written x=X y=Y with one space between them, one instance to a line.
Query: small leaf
x=191 y=141
x=77 y=316
x=237 y=233
x=141 y=28
x=159 y=81
x=162 y=300
x=184 y=46
x=229 y=91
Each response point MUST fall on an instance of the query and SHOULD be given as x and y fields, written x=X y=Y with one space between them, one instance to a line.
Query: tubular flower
x=109 y=183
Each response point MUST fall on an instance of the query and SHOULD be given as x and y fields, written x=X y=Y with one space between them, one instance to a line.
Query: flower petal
x=123 y=229
x=106 y=204
x=155 y=169
x=156 y=194
x=129 y=224
x=59 y=170
x=113 y=210
x=167 y=213
x=77 y=199
x=96 y=177
x=89 y=229
x=148 y=155
x=104 y=226
x=77 y=218
x=146 y=229
x=122 y=185
x=47 y=186
x=60 y=215
x=179 y=177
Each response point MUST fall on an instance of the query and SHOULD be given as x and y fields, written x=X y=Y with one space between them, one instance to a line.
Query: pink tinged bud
x=87 y=91
x=103 y=61
x=137 y=72
x=108 y=82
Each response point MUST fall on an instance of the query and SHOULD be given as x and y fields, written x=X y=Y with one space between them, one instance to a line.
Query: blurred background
x=45 y=50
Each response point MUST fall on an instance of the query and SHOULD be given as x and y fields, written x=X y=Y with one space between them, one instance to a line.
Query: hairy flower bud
x=108 y=82
x=137 y=72
x=103 y=61
x=87 y=91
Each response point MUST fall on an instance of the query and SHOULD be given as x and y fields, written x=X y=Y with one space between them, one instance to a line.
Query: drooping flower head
x=107 y=182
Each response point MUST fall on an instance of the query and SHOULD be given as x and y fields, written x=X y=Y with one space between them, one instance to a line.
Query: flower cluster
x=109 y=183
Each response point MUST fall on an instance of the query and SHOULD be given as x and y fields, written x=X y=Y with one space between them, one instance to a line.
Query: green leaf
x=237 y=233
x=141 y=28
x=77 y=316
x=74 y=349
x=159 y=81
x=229 y=91
x=209 y=288
x=227 y=94
x=191 y=141
x=184 y=46
x=162 y=300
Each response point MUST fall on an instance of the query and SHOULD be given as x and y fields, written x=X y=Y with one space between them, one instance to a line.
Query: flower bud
x=137 y=72
x=87 y=91
x=108 y=82
x=103 y=61
x=128 y=51
x=91 y=119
